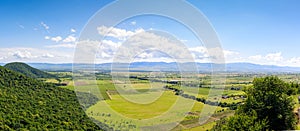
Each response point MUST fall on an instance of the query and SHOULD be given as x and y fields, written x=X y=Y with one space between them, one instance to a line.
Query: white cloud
x=111 y=44
x=145 y=55
x=70 y=38
x=184 y=41
x=73 y=30
x=139 y=39
x=294 y=60
x=107 y=49
x=200 y=54
x=218 y=55
x=47 y=55
x=200 y=49
x=46 y=27
x=155 y=59
x=68 y=42
x=228 y=53
x=22 y=54
x=56 y=39
x=35 y=55
x=117 y=33
x=4 y=57
x=140 y=42
x=64 y=45
x=21 y=26
x=86 y=51
x=271 y=59
x=47 y=37
x=274 y=57
x=255 y=57
x=133 y=23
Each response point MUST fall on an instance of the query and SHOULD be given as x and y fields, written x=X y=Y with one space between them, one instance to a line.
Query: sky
x=261 y=32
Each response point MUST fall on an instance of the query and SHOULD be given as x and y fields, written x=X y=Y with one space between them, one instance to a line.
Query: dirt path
x=107 y=93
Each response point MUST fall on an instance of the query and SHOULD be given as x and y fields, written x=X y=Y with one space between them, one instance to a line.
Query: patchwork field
x=141 y=104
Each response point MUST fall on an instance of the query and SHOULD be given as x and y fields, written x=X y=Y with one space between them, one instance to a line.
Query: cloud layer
x=156 y=49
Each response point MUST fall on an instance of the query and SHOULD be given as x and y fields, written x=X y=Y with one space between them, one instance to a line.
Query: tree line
x=181 y=93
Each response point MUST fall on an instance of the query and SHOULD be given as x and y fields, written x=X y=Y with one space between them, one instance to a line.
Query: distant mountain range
x=163 y=66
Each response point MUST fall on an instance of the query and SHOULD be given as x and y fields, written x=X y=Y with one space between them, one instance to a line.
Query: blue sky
x=256 y=31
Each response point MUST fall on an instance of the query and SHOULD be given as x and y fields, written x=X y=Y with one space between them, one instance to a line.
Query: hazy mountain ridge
x=163 y=66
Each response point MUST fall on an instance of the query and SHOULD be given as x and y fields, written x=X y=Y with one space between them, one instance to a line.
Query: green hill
x=29 y=104
x=28 y=70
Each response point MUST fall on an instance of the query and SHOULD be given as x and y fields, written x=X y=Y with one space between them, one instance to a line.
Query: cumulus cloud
x=47 y=37
x=47 y=55
x=56 y=39
x=133 y=23
x=148 y=40
x=228 y=53
x=163 y=43
x=271 y=57
x=35 y=55
x=274 y=57
x=218 y=55
x=68 y=42
x=21 y=26
x=200 y=49
x=73 y=30
x=107 y=49
x=70 y=38
x=86 y=51
x=117 y=33
x=135 y=48
x=22 y=54
x=46 y=27
x=294 y=60
x=64 y=45
x=135 y=43
x=200 y=53
x=255 y=57
x=184 y=41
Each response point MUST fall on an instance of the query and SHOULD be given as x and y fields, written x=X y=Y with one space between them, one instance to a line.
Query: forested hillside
x=28 y=70
x=26 y=103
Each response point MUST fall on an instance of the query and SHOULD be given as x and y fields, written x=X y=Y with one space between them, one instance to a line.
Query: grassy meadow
x=138 y=103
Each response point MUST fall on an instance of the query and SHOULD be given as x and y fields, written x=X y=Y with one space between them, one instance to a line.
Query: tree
x=241 y=122
x=269 y=98
x=267 y=102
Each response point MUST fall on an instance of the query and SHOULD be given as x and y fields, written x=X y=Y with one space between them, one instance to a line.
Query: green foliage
x=241 y=122
x=29 y=104
x=232 y=106
x=270 y=98
x=28 y=70
x=87 y=99
x=268 y=102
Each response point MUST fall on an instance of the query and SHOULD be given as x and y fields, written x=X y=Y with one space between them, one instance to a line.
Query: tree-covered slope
x=26 y=103
x=28 y=70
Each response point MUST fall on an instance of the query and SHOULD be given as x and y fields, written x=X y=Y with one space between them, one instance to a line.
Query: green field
x=136 y=104
x=142 y=103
